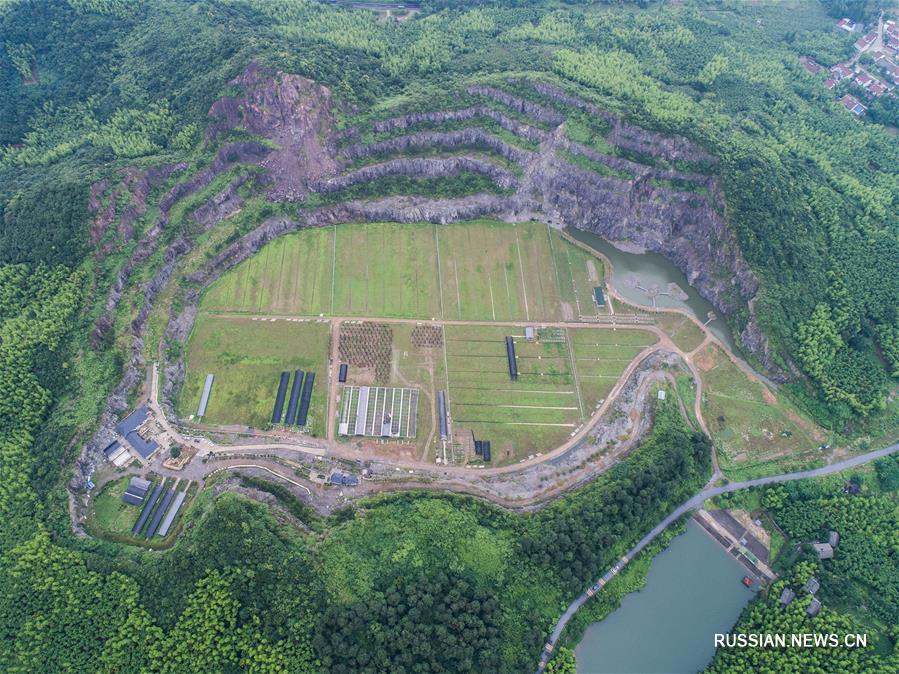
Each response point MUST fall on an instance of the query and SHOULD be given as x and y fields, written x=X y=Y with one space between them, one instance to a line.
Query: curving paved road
x=692 y=504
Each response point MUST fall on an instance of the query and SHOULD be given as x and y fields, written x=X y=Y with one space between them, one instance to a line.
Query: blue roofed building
x=128 y=428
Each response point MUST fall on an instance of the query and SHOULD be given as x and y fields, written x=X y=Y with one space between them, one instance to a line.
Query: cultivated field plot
x=756 y=432
x=386 y=269
x=532 y=414
x=291 y=275
x=578 y=273
x=601 y=355
x=480 y=270
x=247 y=357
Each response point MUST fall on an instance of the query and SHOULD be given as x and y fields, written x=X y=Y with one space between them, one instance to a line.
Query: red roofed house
x=864 y=42
x=851 y=103
x=877 y=89
x=830 y=84
x=846 y=24
x=863 y=79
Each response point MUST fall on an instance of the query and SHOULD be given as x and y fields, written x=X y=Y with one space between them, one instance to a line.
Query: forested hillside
x=106 y=155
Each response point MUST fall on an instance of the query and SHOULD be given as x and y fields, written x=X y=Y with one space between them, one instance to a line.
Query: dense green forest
x=89 y=87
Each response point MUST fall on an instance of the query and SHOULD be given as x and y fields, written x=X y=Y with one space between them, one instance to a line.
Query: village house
x=812 y=585
x=812 y=66
x=847 y=24
x=823 y=550
x=814 y=608
x=787 y=596
x=840 y=72
x=863 y=43
x=853 y=105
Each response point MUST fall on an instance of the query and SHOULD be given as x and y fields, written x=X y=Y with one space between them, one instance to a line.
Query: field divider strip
x=524 y=288
x=577 y=381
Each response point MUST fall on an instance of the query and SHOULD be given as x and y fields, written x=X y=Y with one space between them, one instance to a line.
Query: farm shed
x=204 y=399
x=278 y=412
x=294 y=399
x=341 y=376
x=148 y=507
x=814 y=608
x=441 y=410
x=160 y=511
x=306 y=399
x=173 y=511
x=510 y=355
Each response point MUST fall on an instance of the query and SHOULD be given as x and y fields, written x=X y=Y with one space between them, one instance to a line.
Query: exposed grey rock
x=532 y=110
x=222 y=205
x=431 y=139
x=291 y=111
x=509 y=124
x=422 y=168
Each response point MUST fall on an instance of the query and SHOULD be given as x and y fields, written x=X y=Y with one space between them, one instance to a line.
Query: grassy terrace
x=483 y=270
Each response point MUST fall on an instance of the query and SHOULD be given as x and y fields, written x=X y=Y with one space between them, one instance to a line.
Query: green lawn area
x=112 y=515
x=757 y=432
x=478 y=270
x=247 y=357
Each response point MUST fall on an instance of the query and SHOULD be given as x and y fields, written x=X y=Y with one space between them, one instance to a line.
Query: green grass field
x=757 y=433
x=112 y=515
x=247 y=357
x=600 y=356
x=481 y=270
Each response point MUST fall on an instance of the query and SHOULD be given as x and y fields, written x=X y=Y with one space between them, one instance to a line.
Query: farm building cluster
x=298 y=403
x=159 y=507
x=134 y=439
x=379 y=411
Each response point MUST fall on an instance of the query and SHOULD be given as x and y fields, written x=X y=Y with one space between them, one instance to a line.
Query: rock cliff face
x=424 y=168
x=446 y=139
x=630 y=137
x=463 y=114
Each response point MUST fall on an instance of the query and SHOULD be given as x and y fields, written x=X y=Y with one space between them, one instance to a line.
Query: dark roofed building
x=139 y=484
x=112 y=449
x=812 y=585
x=823 y=550
x=128 y=426
x=833 y=538
x=814 y=608
x=133 y=421
x=346 y=480
x=145 y=448
x=132 y=499
x=787 y=596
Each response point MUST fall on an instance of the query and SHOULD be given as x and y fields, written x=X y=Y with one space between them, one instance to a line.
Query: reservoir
x=693 y=591
x=638 y=277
